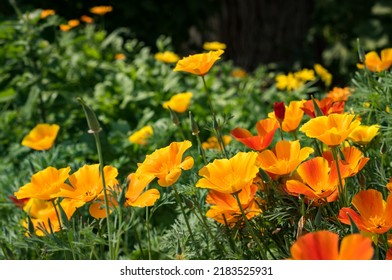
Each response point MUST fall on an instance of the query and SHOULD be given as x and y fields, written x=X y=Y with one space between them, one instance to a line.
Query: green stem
x=105 y=196
x=148 y=233
x=341 y=189
x=248 y=225
x=57 y=214
x=203 y=154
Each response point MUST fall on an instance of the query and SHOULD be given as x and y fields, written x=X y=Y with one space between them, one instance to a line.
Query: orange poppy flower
x=317 y=181
x=166 y=163
x=135 y=196
x=363 y=134
x=389 y=185
x=332 y=130
x=46 y=13
x=167 y=57
x=198 y=64
x=224 y=207
x=73 y=22
x=353 y=162
x=101 y=10
x=86 y=19
x=44 y=184
x=292 y=117
x=179 y=103
x=65 y=27
x=284 y=158
x=376 y=64
x=374 y=214
x=324 y=245
x=265 y=134
x=339 y=94
x=119 y=56
x=41 y=137
x=229 y=175
x=97 y=207
x=327 y=106
x=86 y=183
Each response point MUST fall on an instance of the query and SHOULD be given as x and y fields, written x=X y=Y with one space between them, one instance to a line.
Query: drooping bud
x=279 y=110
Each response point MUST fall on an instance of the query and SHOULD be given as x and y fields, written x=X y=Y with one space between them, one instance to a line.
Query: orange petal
x=344 y=217
x=356 y=247
x=148 y=198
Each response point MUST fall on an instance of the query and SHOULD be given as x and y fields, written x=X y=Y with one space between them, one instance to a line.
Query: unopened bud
x=174 y=117
x=195 y=128
x=92 y=120
x=279 y=110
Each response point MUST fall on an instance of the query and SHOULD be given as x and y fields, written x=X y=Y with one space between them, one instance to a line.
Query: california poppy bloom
x=229 y=175
x=198 y=64
x=364 y=134
x=374 y=214
x=44 y=184
x=101 y=10
x=327 y=106
x=86 y=183
x=119 y=56
x=166 y=57
x=389 y=185
x=283 y=158
x=41 y=137
x=136 y=194
x=317 y=181
x=65 y=27
x=73 y=22
x=332 y=130
x=292 y=117
x=339 y=94
x=46 y=13
x=214 y=46
x=353 y=161
x=86 y=19
x=265 y=134
x=224 y=207
x=375 y=63
x=166 y=163
x=324 y=245
x=179 y=103
x=140 y=136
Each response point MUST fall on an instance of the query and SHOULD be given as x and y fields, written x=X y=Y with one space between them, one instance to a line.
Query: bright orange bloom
x=136 y=196
x=179 y=103
x=97 y=207
x=214 y=46
x=332 y=130
x=374 y=214
x=292 y=117
x=119 y=56
x=389 y=185
x=339 y=94
x=363 y=134
x=166 y=163
x=284 y=158
x=65 y=27
x=389 y=254
x=212 y=142
x=324 y=245
x=101 y=10
x=376 y=64
x=198 y=64
x=73 y=22
x=44 y=184
x=326 y=105
x=87 y=183
x=41 y=137
x=226 y=205
x=265 y=134
x=140 y=137
x=46 y=13
x=167 y=57
x=317 y=181
x=229 y=175
x=86 y=19
x=353 y=162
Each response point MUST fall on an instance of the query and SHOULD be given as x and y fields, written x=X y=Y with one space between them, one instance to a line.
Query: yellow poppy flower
x=41 y=137
x=305 y=75
x=179 y=103
x=44 y=184
x=214 y=46
x=140 y=137
x=374 y=214
x=288 y=82
x=101 y=10
x=284 y=158
x=166 y=57
x=375 y=63
x=222 y=204
x=198 y=64
x=324 y=245
x=292 y=117
x=363 y=134
x=166 y=163
x=229 y=175
x=136 y=196
x=332 y=130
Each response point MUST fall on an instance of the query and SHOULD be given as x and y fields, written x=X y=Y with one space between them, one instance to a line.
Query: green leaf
x=7 y=95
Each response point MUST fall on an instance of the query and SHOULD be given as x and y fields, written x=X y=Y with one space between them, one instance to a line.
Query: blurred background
x=288 y=34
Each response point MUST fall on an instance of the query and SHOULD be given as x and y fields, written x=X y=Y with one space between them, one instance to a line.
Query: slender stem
x=148 y=233
x=248 y=225
x=179 y=201
x=203 y=154
x=281 y=130
x=105 y=196
x=57 y=214
x=341 y=189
